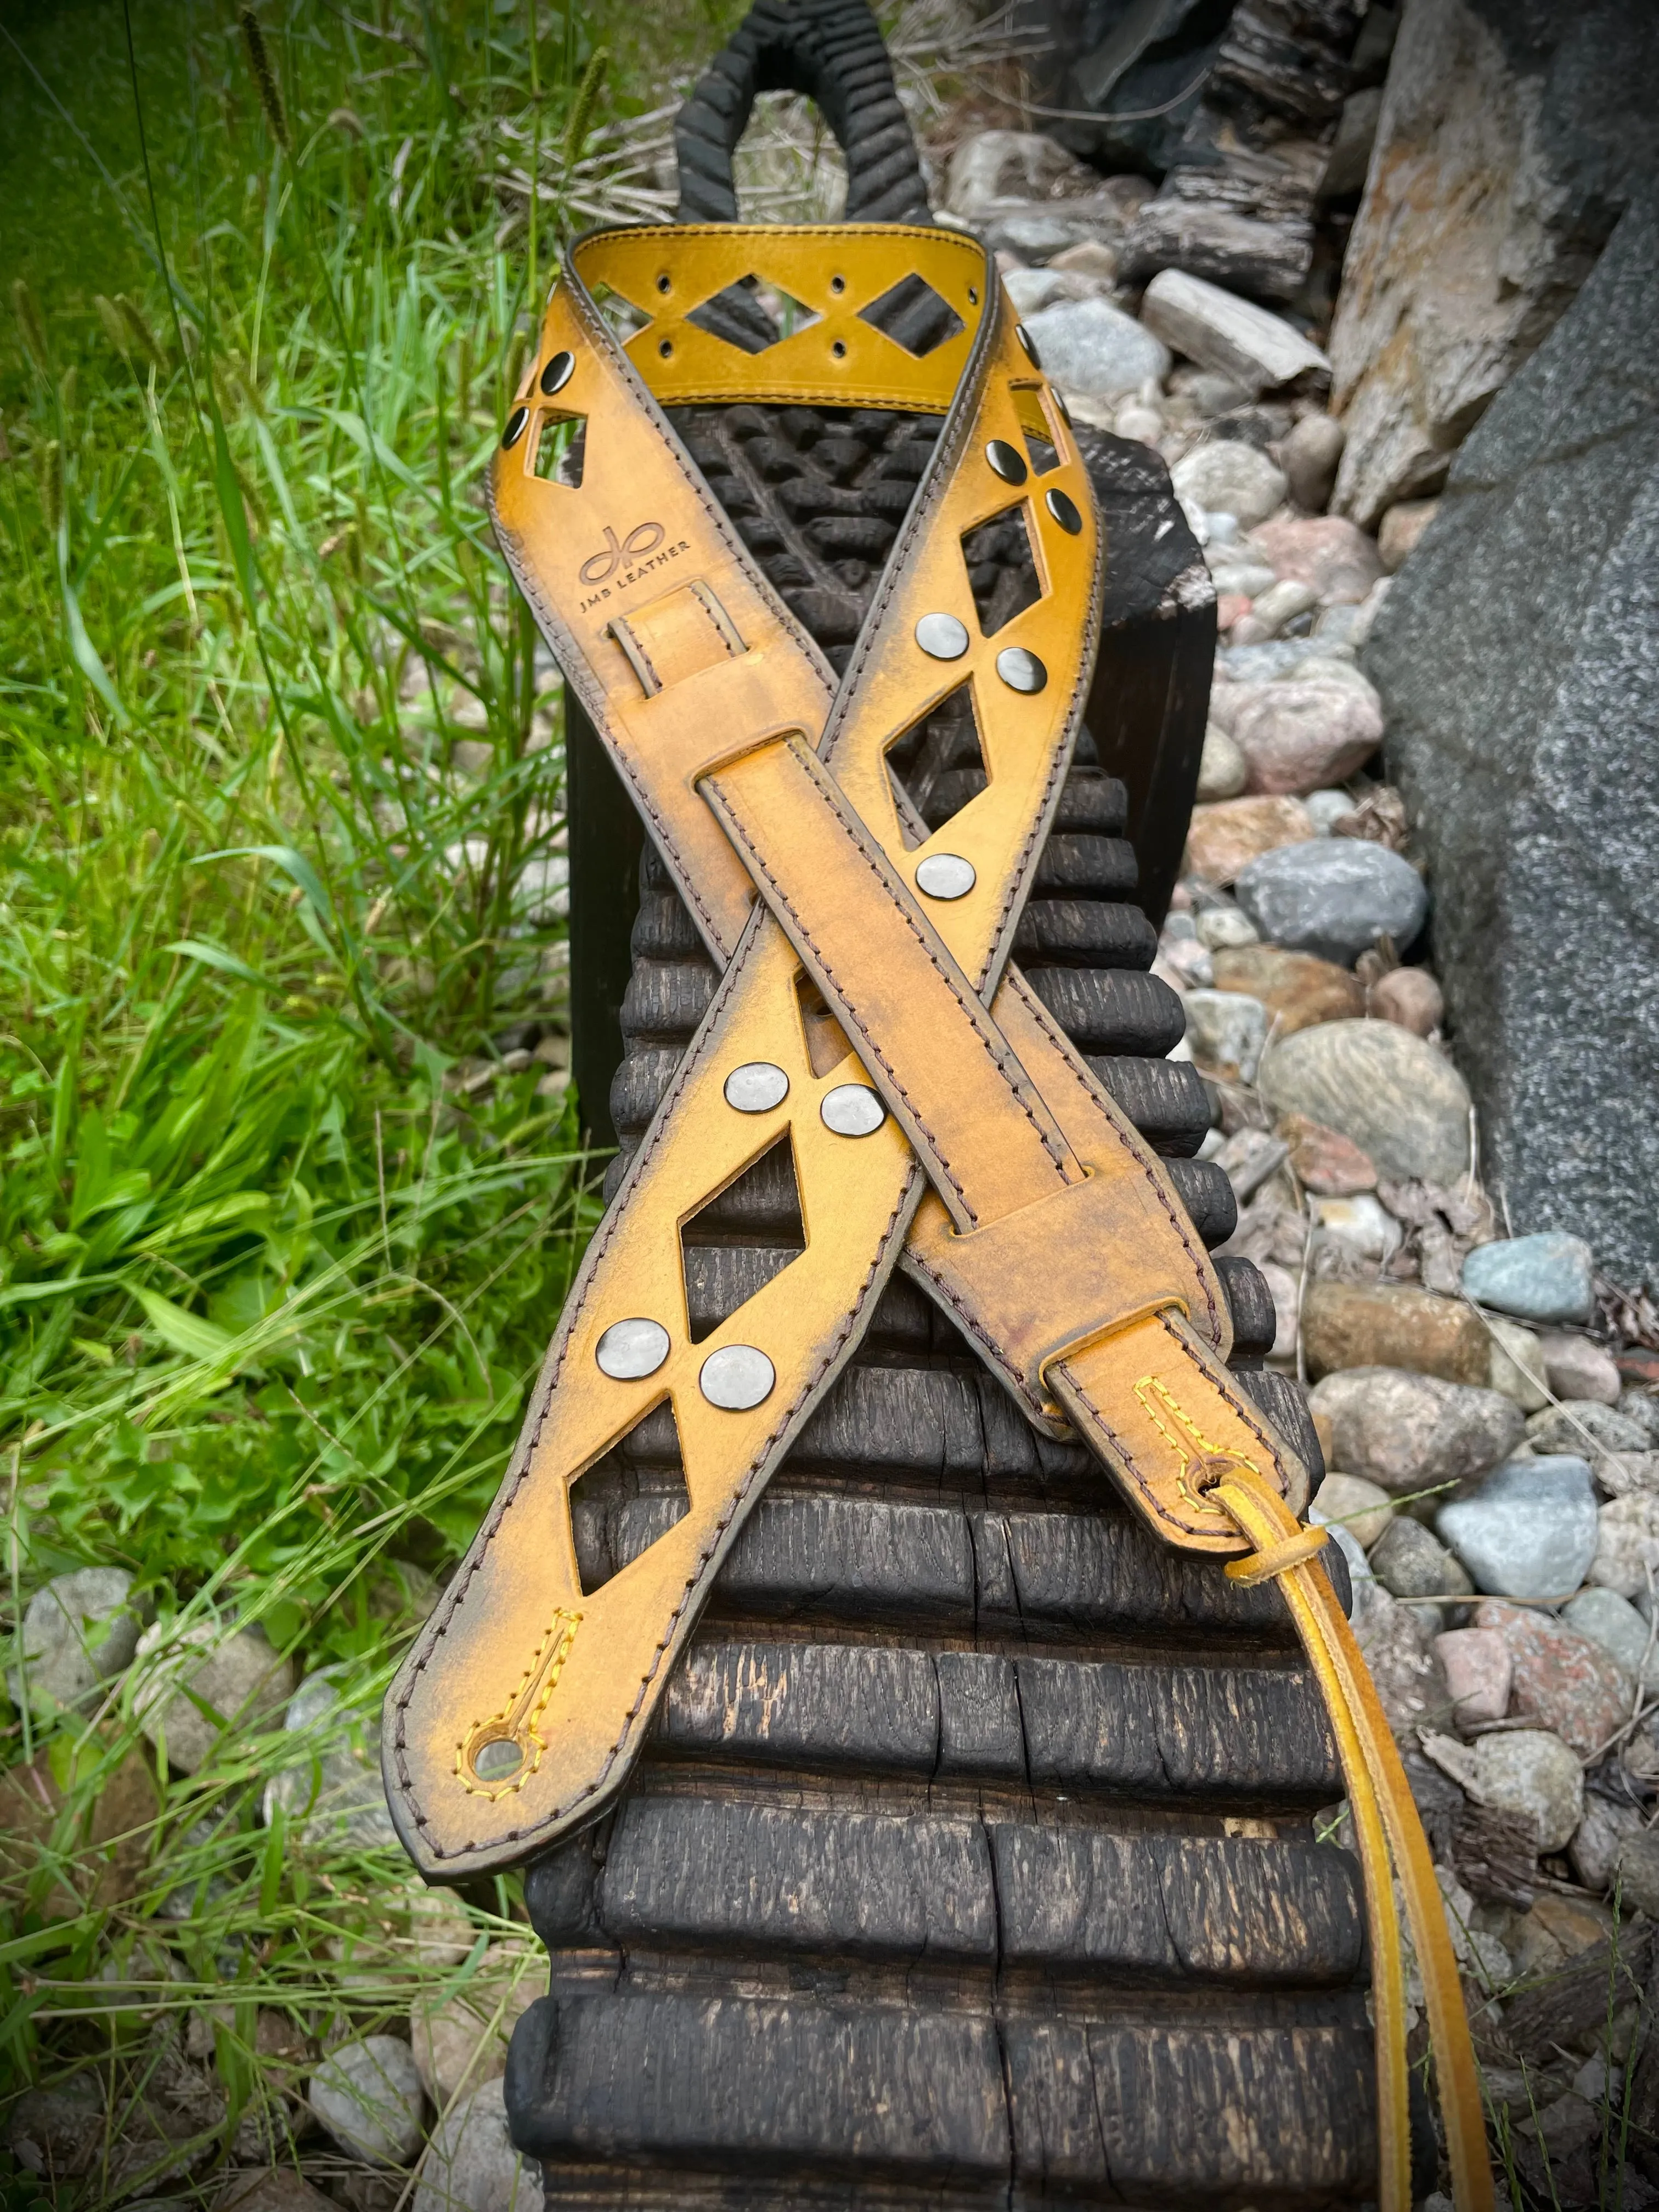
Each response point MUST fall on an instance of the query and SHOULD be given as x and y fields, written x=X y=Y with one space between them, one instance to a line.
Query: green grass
x=286 y=1219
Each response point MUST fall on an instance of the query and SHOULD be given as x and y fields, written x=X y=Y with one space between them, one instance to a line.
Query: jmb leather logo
x=643 y=538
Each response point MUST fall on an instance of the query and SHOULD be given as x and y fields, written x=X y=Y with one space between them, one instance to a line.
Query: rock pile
x=1492 y=1438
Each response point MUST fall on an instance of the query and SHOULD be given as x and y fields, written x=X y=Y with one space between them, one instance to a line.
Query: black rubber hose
x=832 y=52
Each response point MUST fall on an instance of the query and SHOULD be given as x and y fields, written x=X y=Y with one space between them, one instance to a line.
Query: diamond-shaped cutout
x=721 y=1275
x=939 y=764
x=753 y=315
x=621 y=1503
x=1036 y=430
x=912 y=313
x=1002 y=567
x=626 y=320
x=826 y=1039
x=560 y=448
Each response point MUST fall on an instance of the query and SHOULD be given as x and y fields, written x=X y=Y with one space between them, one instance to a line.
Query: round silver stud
x=852 y=1110
x=736 y=1378
x=757 y=1087
x=514 y=430
x=558 y=373
x=497 y=1759
x=1059 y=398
x=942 y=637
x=1021 y=671
x=1007 y=463
x=1029 y=342
x=1064 y=510
x=945 y=876
x=631 y=1349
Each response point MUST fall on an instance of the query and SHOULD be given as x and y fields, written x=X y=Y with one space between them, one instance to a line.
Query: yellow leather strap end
x=835 y=280
x=1385 y=1822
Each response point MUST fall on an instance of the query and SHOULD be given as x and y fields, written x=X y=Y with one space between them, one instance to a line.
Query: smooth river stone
x=1337 y=897
x=1531 y=1530
x=1401 y=1102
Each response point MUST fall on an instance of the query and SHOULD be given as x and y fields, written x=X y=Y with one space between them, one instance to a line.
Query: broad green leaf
x=81 y=644
x=199 y=1220
x=181 y=1330
x=214 y=955
x=292 y=863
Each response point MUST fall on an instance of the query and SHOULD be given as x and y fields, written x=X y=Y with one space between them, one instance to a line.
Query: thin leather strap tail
x=1381 y=1800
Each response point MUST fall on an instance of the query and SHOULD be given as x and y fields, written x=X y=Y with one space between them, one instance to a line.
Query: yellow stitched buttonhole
x=1193 y=1448
x=501 y=1754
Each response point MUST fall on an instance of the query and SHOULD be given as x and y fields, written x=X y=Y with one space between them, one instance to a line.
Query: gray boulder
x=1401 y=1102
x=471 y=2165
x=1542 y=1278
x=1334 y=897
x=1531 y=1530
x=1580 y=1425
x=1613 y=1623
x=79 y=1633
x=1408 y=1432
x=1005 y=165
x=1518 y=655
x=368 y=2095
x=333 y=1791
x=197 y=1682
x=1090 y=347
x=1532 y=1775
x=1509 y=140
x=1409 y=1563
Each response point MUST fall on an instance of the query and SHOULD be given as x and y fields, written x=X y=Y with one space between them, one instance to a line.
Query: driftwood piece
x=1579 y=1998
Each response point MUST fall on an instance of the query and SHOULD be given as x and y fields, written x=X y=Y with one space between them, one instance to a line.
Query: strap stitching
x=1083 y=1077
x=456 y=1595
x=969 y=1005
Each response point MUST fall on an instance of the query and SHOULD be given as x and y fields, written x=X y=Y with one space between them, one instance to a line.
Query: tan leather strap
x=520 y=1708
x=530 y=1661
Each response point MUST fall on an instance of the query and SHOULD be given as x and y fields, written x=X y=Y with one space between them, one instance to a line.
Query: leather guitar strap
x=941 y=1111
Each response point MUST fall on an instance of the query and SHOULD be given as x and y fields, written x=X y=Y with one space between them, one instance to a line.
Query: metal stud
x=1021 y=671
x=558 y=373
x=852 y=1110
x=1064 y=510
x=945 y=876
x=498 y=1759
x=757 y=1087
x=514 y=430
x=631 y=1349
x=736 y=1378
x=942 y=637
x=1029 y=342
x=1059 y=398
x=1008 y=463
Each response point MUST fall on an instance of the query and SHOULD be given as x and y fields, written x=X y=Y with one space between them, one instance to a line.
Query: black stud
x=1064 y=513
x=1029 y=342
x=514 y=430
x=558 y=373
x=1008 y=463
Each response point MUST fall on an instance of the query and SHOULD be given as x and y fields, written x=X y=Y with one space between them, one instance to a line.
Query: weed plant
x=292 y=1190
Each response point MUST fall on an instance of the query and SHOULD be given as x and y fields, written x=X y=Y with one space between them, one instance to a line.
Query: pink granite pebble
x=1479 y=1672
x=1561 y=1680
